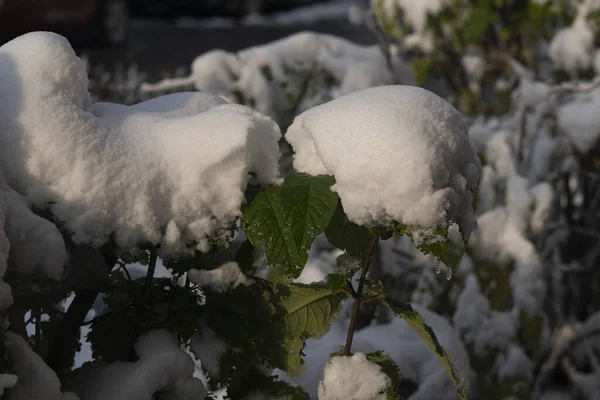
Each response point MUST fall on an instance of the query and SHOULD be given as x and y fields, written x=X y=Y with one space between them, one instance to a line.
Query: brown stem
x=358 y=298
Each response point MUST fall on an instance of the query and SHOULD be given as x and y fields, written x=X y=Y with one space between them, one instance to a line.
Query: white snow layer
x=35 y=379
x=398 y=153
x=170 y=171
x=353 y=378
x=162 y=366
x=572 y=48
x=221 y=279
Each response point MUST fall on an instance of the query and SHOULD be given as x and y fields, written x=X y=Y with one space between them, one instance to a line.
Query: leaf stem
x=149 y=277
x=358 y=296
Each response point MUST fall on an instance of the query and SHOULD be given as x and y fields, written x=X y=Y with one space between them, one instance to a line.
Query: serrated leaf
x=388 y=366
x=347 y=235
x=305 y=311
x=286 y=219
x=440 y=246
x=417 y=322
x=347 y=266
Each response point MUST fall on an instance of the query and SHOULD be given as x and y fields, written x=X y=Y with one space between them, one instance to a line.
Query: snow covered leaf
x=416 y=321
x=286 y=219
x=399 y=154
x=444 y=248
x=346 y=235
x=171 y=171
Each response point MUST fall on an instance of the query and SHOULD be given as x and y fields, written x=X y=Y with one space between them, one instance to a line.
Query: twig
x=149 y=278
x=358 y=299
x=38 y=328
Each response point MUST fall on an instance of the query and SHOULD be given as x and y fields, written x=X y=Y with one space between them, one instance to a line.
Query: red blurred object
x=105 y=21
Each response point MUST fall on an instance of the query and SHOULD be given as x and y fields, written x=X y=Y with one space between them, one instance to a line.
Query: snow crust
x=398 y=153
x=170 y=171
x=353 y=378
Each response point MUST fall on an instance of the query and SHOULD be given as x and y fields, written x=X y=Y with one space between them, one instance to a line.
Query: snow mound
x=398 y=153
x=162 y=366
x=353 y=378
x=35 y=380
x=171 y=171
x=227 y=276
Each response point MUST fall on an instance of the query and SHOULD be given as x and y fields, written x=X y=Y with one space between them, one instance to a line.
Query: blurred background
x=126 y=42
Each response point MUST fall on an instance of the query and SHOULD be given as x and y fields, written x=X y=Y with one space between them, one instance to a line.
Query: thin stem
x=358 y=297
x=149 y=277
x=38 y=328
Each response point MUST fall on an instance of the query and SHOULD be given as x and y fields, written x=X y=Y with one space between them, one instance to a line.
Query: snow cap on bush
x=398 y=154
x=353 y=378
x=170 y=171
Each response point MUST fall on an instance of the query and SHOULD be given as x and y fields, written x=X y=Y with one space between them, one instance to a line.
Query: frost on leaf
x=400 y=155
x=353 y=378
x=286 y=219
x=169 y=171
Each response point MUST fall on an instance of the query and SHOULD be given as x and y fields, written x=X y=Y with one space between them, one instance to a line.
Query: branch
x=149 y=278
x=66 y=338
x=358 y=298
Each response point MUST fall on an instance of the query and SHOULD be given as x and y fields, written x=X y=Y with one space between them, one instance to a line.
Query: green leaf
x=272 y=321
x=347 y=235
x=481 y=18
x=347 y=266
x=423 y=67
x=388 y=366
x=440 y=246
x=286 y=219
x=416 y=321
x=305 y=311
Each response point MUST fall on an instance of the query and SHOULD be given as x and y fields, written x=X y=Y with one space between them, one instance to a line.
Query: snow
x=225 y=277
x=7 y=381
x=392 y=142
x=35 y=379
x=209 y=349
x=353 y=378
x=169 y=171
x=474 y=65
x=36 y=245
x=580 y=120
x=272 y=76
x=516 y=364
x=162 y=366
x=572 y=48
x=398 y=340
